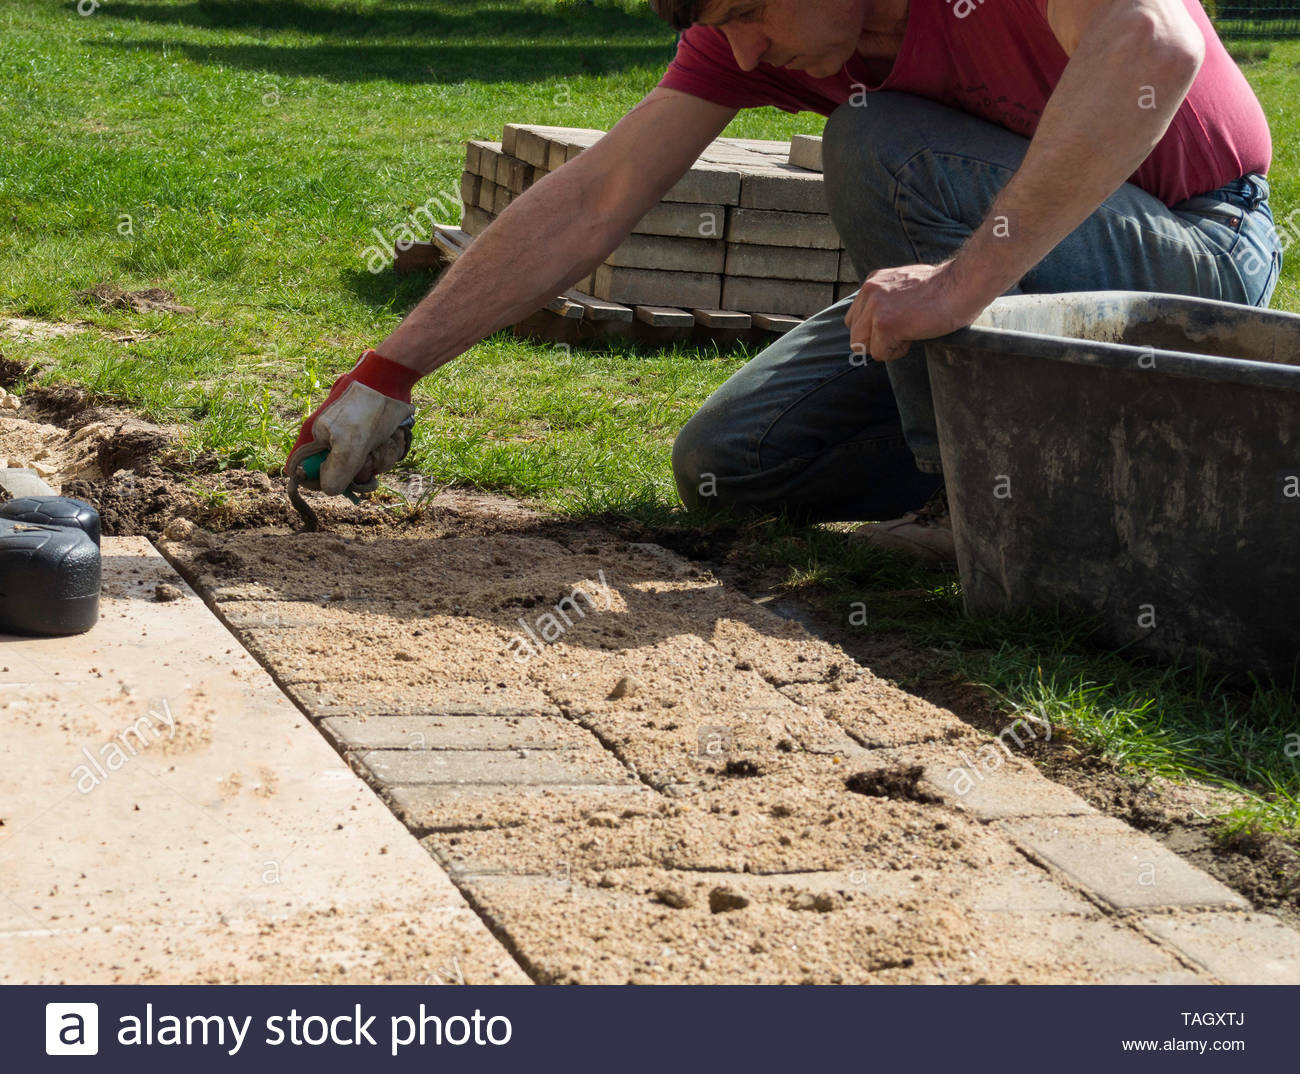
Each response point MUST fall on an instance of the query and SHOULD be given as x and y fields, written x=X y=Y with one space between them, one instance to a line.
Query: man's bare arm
x=1131 y=65
x=558 y=231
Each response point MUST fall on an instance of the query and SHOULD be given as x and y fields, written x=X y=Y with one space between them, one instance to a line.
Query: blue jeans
x=811 y=429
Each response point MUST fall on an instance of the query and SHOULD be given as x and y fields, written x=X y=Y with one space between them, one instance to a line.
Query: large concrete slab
x=169 y=816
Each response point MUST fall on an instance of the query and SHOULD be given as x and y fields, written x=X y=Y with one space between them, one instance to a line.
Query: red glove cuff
x=389 y=378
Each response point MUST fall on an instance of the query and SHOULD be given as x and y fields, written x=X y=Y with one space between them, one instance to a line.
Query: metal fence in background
x=1255 y=18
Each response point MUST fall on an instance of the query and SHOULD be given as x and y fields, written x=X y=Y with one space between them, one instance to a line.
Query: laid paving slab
x=1095 y=948
x=1129 y=870
x=534 y=768
x=1237 y=948
x=453 y=733
x=432 y=807
x=469 y=697
x=169 y=816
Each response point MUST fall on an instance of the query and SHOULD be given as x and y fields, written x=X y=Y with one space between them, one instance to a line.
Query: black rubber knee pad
x=49 y=579
x=61 y=511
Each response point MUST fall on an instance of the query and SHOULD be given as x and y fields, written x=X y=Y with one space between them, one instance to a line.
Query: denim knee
x=698 y=459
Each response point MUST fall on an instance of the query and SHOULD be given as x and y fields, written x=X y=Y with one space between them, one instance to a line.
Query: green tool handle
x=310 y=467
x=312 y=464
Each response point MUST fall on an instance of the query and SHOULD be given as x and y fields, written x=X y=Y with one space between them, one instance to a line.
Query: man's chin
x=823 y=70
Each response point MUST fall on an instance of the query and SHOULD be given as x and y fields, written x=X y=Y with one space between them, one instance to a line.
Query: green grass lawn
x=242 y=155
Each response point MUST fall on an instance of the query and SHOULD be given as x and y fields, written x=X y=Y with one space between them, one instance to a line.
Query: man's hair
x=679 y=14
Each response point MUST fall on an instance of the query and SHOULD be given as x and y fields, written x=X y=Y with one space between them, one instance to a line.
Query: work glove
x=365 y=425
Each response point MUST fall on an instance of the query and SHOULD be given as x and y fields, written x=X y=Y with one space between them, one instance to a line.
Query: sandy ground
x=672 y=785
x=745 y=846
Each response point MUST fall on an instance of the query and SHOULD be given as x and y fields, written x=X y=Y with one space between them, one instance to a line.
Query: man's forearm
x=542 y=244
x=1121 y=88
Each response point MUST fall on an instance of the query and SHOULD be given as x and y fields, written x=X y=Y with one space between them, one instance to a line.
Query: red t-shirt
x=1001 y=62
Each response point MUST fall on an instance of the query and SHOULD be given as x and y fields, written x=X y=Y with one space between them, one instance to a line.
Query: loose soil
x=783 y=838
x=1264 y=868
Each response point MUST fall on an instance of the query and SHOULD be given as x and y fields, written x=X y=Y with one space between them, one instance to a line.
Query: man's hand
x=364 y=424
x=898 y=306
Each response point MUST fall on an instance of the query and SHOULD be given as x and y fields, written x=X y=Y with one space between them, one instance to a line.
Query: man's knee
x=698 y=459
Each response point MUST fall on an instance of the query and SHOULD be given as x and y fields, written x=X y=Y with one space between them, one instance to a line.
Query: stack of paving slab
x=743 y=242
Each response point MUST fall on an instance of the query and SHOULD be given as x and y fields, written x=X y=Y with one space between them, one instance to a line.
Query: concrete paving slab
x=1245 y=949
x=798 y=298
x=806 y=230
x=1126 y=868
x=539 y=767
x=1093 y=949
x=683 y=220
x=472 y=697
x=454 y=733
x=158 y=789
x=785 y=188
x=806 y=151
x=456 y=807
x=411 y=946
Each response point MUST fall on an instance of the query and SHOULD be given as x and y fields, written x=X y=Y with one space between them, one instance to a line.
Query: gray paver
x=469 y=188
x=452 y=807
x=979 y=778
x=1001 y=792
x=1237 y=948
x=485 y=698
x=809 y=231
x=455 y=732
x=531 y=147
x=1097 y=948
x=488 y=155
x=782 y=263
x=784 y=188
x=1126 y=868
x=707 y=184
x=806 y=151
x=535 y=767
x=798 y=298
x=487 y=195
x=669 y=254
x=686 y=220
x=645 y=287
x=501 y=199
x=475 y=220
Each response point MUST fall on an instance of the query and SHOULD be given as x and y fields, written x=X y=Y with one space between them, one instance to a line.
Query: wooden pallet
x=575 y=318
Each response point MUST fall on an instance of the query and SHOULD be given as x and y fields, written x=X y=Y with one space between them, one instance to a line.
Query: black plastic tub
x=1134 y=458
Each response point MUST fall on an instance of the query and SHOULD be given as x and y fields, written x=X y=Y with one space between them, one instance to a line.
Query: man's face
x=816 y=36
